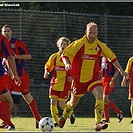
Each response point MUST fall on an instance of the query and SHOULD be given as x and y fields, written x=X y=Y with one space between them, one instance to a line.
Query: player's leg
x=106 y=113
x=68 y=108
x=54 y=111
x=6 y=97
x=99 y=107
x=131 y=111
x=33 y=106
x=4 y=109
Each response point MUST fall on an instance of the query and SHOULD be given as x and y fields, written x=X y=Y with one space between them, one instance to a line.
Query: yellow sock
x=54 y=113
x=99 y=107
x=131 y=110
x=67 y=110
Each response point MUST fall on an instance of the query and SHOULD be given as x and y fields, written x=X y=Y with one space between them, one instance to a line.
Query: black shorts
x=16 y=98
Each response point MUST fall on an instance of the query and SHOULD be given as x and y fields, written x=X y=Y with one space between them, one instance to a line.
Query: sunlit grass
x=81 y=125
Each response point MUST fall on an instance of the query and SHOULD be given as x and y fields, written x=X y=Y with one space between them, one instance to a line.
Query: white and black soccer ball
x=46 y=124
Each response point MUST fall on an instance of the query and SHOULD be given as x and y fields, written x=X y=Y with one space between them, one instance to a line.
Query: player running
x=60 y=85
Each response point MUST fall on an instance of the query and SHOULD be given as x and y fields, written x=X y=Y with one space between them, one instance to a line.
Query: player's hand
x=123 y=73
x=123 y=84
x=111 y=83
x=46 y=75
x=68 y=67
x=17 y=80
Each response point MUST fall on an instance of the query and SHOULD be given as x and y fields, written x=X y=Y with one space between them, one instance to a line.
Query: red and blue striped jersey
x=19 y=48
x=5 y=51
x=107 y=68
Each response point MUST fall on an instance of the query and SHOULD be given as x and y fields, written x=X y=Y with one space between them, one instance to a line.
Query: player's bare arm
x=13 y=68
x=23 y=56
x=118 y=66
x=67 y=64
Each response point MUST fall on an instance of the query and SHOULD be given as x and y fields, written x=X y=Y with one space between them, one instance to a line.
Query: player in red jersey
x=82 y=58
x=21 y=53
x=5 y=96
x=60 y=84
x=109 y=74
x=129 y=70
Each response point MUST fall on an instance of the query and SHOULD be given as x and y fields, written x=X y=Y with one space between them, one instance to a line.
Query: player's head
x=91 y=31
x=62 y=43
x=7 y=31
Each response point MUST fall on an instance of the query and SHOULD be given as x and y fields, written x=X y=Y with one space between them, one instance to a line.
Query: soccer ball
x=46 y=124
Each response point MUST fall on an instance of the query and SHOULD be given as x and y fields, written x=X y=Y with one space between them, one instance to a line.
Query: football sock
x=5 y=111
x=34 y=110
x=54 y=113
x=99 y=107
x=114 y=107
x=106 y=112
x=67 y=110
x=131 y=110
x=6 y=119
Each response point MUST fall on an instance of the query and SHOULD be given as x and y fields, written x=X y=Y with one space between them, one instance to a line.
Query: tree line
x=110 y=8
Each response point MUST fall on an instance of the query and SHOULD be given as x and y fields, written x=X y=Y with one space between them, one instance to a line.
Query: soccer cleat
x=120 y=117
x=3 y=125
x=11 y=127
x=105 y=121
x=100 y=126
x=131 y=122
x=72 y=118
x=56 y=125
x=62 y=122
x=37 y=124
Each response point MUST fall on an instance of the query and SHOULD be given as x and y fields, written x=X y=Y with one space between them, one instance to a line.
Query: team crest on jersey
x=13 y=45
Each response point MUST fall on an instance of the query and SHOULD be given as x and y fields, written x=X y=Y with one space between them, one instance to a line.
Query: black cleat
x=120 y=116
x=11 y=127
x=72 y=118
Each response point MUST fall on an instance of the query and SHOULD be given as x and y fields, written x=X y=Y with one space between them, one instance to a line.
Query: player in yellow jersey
x=129 y=70
x=60 y=84
x=82 y=58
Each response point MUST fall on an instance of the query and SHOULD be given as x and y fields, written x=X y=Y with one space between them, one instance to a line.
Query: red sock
x=114 y=107
x=34 y=109
x=106 y=112
x=4 y=113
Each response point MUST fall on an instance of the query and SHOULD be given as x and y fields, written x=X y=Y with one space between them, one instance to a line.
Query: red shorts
x=80 y=89
x=130 y=97
x=24 y=88
x=106 y=86
x=60 y=95
x=3 y=87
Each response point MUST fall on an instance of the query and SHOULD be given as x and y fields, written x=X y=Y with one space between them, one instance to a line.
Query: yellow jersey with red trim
x=84 y=58
x=129 y=68
x=59 y=78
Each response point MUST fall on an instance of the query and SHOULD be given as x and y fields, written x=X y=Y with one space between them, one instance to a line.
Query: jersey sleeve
x=23 y=48
x=108 y=53
x=50 y=63
x=128 y=67
x=5 y=47
x=71 y=50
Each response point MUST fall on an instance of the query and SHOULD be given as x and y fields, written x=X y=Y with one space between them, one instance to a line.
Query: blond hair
x=64 y=39
x=91 y=24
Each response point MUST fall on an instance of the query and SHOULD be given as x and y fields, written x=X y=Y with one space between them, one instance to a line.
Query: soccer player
x=5 y=96
x=82 y=58
x=109 y=74
x=129 y=70
x=21 y=53
x=60 y=84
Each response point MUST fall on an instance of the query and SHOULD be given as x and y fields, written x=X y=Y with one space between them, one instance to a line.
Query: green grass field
x=81 y=125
